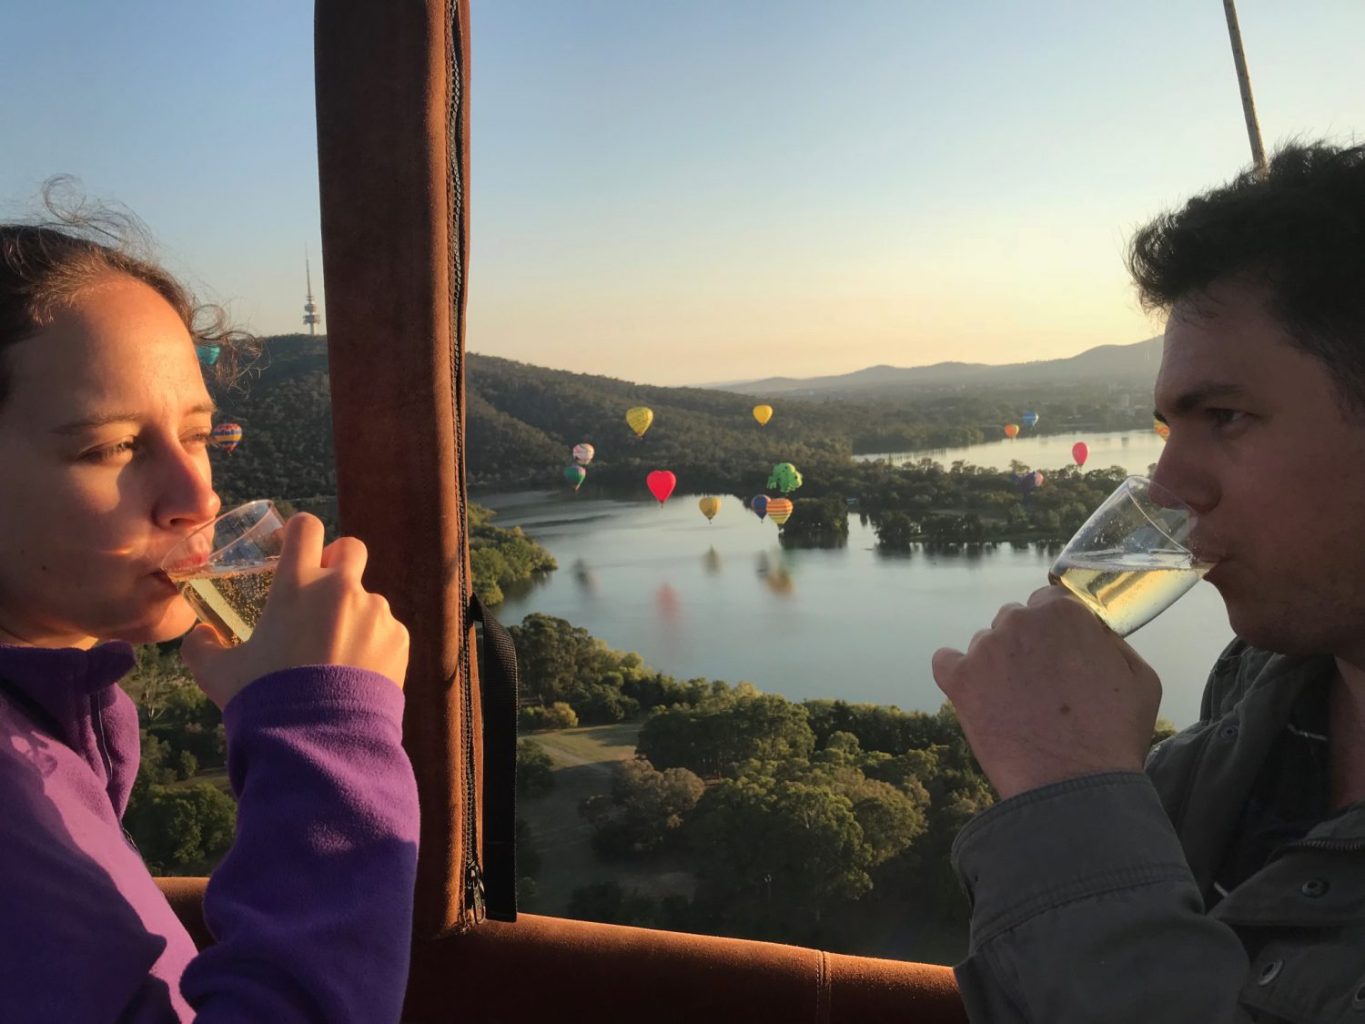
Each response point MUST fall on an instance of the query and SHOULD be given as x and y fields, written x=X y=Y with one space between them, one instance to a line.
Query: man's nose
x=1180 y=471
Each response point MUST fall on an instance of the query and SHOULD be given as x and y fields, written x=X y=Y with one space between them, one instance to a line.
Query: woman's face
x=104 y=462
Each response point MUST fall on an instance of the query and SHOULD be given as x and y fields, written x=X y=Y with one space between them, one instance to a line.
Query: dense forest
x=523 y=420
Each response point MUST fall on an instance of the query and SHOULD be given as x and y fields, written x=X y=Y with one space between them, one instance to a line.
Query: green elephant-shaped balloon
x=785 y=477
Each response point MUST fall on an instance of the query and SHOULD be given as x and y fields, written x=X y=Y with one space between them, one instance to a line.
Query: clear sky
x=678 y=192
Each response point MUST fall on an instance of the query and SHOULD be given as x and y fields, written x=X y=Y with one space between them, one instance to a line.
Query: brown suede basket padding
x=395 y=253
x=392 y=268
x=548 y=969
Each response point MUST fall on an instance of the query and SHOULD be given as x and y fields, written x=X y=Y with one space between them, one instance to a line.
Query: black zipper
x=473 y=908
x=1328 y=845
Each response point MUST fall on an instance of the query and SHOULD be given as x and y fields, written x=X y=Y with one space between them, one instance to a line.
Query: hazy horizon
x=712 y=191
x=721 y=384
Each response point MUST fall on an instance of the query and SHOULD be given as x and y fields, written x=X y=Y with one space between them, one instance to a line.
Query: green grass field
x=583 y=760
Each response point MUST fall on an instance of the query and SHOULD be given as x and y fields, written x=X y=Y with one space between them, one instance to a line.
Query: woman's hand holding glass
x=318 y=613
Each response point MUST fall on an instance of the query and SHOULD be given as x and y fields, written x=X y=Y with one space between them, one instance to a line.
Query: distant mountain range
x=1114 y=364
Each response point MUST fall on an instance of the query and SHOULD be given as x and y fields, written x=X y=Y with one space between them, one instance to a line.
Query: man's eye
x=1224 y=417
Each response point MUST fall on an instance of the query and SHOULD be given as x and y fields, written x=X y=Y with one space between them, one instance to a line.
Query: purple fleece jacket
x=311 y=908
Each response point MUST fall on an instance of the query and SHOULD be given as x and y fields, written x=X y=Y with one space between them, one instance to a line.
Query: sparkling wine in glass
x=1133 y=558
x=224 y=569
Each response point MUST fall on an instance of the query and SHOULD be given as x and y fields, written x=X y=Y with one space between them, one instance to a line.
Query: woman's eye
x=199 y=439
x=110 y=452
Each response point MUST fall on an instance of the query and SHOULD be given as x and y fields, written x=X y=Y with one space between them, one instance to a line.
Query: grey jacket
x=1089 y=896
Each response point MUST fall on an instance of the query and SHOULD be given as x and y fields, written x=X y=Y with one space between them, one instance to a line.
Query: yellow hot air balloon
x=763 y=413
x=779 y=510
x=639 y=419
x=709 y=506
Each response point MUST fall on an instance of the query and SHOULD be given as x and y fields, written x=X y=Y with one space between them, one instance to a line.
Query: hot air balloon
x=1030 y=419
x=208 y=354
x=779 y=510
x=639 y=419
x=1011 y=430
x=709 y=506
x=575 y=474
x=785 y=477
x=1080 y=451
x=227 y=436
x=1163 y=430
x=583 y=453
x=1032 y=481
x=763 y=413
x=661 y=483
x=759 y=503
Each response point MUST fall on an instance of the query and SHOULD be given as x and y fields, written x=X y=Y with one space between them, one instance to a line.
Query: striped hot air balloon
x=227 y=436
x=779 y=510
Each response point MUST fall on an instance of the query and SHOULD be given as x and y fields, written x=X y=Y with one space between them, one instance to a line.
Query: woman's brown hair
x=46 y=264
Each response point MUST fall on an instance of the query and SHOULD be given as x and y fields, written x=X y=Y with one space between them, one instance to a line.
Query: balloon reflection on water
x=775 y=575
x=711 y=561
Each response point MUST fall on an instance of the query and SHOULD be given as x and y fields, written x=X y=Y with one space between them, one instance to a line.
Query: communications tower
x=310 y=308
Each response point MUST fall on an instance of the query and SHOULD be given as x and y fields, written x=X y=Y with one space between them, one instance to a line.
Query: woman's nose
x=186 y=495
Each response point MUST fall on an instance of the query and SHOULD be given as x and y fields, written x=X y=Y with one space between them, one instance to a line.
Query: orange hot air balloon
x=1011 y=430
x=779 y=510
x=1080 y=451
x=1163 y=430
x=661 y=483
x=709 y=506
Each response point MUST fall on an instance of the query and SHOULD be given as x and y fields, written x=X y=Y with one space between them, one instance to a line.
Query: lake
x=723 y=600
x=1135 y=450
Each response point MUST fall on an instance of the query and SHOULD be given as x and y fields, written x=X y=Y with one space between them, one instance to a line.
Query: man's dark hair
x=1297 y=232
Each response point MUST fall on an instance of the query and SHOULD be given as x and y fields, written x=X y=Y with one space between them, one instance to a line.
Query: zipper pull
x=475 y=896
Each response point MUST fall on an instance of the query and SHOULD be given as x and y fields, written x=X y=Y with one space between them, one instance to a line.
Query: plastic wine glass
x=224 y=569
x=1133 y=557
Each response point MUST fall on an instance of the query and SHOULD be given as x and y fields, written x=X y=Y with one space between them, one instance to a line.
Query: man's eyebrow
x=1199 y=394
x=80 y=426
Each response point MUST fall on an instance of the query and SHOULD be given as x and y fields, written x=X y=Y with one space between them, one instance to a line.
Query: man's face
x=104 y=458
x=1262 y=446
